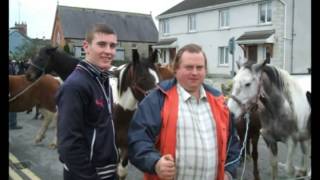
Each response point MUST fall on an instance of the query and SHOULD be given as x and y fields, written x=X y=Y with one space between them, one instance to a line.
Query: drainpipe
x=284 y=33
x=293 y=34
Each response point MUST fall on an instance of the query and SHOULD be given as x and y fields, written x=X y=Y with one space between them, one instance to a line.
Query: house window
x=192 y=23
x=165 y=26
x=223 y=56
x=224 y=18
x=265 y=12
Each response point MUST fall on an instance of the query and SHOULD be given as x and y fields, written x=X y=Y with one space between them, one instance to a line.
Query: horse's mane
x=276 y=77
x=66 y=57
x=280 y=79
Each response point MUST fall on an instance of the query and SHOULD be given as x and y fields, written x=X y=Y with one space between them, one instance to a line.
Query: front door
x=252 y=53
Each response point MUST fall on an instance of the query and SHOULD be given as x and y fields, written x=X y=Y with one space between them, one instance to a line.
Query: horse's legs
x=274 y=159
x=249 y=140
x=44 y=125
x=53 y=143
x=272 y=145
x=304 y=163
x=122 y=170
x=289 y=165
x=241 y=132
x=254 y=140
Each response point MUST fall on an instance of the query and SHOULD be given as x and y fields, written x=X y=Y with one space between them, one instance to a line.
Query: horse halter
x=42 y=70
x=135 y=87
x=252 y=103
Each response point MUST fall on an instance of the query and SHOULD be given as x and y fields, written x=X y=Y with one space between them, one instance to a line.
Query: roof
x=194 y=4
x=256 y=37
x=133 y=27
x=166 y=43
x=16 y=40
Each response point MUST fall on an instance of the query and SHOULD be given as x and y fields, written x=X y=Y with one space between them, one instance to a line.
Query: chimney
x=21 y=27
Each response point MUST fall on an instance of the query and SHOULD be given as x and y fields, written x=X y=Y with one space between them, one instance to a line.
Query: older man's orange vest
x=169 y=116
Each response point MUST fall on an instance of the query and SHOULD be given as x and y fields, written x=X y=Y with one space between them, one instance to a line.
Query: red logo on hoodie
x=100 y=103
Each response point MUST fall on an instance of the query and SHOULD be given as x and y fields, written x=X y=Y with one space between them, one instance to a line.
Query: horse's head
x=41 y=64
x=135 y=80
x=164 y=71
x=246 y=88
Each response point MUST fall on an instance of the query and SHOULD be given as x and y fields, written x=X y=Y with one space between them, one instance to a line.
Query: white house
x=279 y=30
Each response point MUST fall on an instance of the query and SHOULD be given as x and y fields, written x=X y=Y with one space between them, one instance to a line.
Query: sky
x=39 y=14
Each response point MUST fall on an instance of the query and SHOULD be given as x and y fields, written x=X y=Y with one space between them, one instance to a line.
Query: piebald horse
x=281 y=105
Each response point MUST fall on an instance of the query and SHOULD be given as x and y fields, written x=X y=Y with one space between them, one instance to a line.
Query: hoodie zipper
x=110 y=112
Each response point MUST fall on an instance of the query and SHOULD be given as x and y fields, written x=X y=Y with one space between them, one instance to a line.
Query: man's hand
x=165 y=167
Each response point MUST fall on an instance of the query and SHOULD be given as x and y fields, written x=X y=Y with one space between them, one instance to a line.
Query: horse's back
x=41 y=93
x=301 y=105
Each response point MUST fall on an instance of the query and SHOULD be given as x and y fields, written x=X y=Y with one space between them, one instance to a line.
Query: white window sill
x=192 y=31
x=224 y=28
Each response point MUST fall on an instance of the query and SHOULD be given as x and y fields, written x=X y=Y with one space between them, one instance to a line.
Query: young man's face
x=101 y=50
x=191 y=71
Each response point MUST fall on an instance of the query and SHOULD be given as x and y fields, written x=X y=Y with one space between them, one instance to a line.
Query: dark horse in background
x=282 y=107
x=131 y=84
x=253 y=131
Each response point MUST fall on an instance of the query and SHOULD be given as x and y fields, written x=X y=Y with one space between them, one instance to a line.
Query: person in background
x=13 y=115
x=183 y=129
x=86 y=136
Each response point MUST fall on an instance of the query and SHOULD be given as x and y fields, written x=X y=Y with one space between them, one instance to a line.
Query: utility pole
x=231 y=51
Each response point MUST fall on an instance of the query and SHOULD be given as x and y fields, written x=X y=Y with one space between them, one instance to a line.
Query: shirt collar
x=96 y=71
x=186 y=95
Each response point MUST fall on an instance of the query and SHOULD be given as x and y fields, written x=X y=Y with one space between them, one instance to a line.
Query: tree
x=66 y=49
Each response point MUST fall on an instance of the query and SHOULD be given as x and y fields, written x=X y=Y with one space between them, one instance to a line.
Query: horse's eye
x=247 y=84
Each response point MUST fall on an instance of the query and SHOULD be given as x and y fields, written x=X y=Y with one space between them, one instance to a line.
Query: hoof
x=52 y=146
x=37 y=140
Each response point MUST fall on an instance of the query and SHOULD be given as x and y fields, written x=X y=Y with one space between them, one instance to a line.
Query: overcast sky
x=39 y=14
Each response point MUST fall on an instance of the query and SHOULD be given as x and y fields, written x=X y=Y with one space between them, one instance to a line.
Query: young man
x=182 y=130
x=86 y=137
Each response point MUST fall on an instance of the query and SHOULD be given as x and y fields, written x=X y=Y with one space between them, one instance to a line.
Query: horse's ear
x=240 y=62
x=258 y=67
x=153 y=57
x=136 y=57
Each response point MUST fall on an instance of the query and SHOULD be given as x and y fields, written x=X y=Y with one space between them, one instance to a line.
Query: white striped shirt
x=196 y=149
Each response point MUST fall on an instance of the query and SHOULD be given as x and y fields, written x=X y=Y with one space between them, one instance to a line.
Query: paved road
x=38 y=161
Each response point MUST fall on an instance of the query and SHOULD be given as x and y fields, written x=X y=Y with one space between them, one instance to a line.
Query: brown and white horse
x=131 y=83
x=25 y=95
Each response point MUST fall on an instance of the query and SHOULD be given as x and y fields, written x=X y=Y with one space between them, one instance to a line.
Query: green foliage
x=66 y=48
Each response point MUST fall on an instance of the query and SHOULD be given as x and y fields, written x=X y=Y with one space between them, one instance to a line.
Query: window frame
x=223 y=51
x=266 y=8
x=165 y=26
x=192 y=23
x=224 y=18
